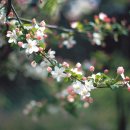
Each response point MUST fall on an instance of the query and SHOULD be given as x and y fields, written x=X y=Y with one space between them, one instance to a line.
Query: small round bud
x=20 y=44
x=40 y=49
x=120 y=70
x=78 y=65
x=65 y=64
x=39 y=38
x=11 y=14
x=84 y=78
x=3 y=2
x=106 y=71
x=86 y=105
x=45 y=36
x=49 y=69
x=28 y=36
x=91 y=68
x=70 y=89
x=70 y=98
x=33 y=63
x=74 y=24
x=127 y=78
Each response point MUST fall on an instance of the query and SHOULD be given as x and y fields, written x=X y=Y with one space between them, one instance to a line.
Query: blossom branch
x=59 y=28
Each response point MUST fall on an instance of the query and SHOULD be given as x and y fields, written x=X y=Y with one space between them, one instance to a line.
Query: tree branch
x=59 y=28
x=8 y=7
x=13 y=9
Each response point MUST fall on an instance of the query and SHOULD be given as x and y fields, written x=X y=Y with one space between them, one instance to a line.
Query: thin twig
x=13 y=9
x=59 y=28
x=47 y=25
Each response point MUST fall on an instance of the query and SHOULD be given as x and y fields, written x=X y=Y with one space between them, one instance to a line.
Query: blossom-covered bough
x=30 y=36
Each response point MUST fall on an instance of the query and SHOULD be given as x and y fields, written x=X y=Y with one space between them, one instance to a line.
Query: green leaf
x=38 y=58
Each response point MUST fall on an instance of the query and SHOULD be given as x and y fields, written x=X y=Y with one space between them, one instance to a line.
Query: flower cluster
x=30 y=37
x=102 y=26
x=67 y=40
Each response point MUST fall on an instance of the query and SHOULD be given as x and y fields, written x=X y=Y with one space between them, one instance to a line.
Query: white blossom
x=58 y=73
x=102 y=16
x=12 y=36
x=94 y=76
x=69 y=43
x=39 y=35
x=77 y=71
x=89 y=85
x=97 y=38
x=51 y=54
x=30 y=46
x=81 y=89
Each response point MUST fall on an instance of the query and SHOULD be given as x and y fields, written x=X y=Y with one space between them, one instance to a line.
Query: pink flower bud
x=33 y=63
x=78 y=65
x=11 y=14
x=28 y=36
x=45 y=35
x=70 y=89
x=39 y=37
x=120 y=70
x=84 y=78
x=49 y=69
x=127 y=78
x=3 y=2
x=91 y=68
x=96 y=17
x=20 y=44
x=106 y=71
x=40 y=49
x=107 y=20
x=65 y=64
